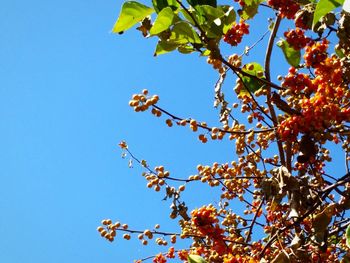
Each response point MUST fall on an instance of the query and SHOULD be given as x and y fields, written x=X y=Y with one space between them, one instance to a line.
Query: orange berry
x=126 y=236
x=182 y=188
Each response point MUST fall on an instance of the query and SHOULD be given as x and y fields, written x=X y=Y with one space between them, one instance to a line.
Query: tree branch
x=268 y=78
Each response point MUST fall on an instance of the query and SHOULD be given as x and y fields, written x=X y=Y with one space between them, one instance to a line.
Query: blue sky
x=65 y=83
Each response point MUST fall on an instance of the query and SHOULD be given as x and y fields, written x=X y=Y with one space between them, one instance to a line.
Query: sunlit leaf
x=163 y=21
x=159 y=5
x=347 y=236
x=164 y=47
x=228 y=19
x=209 y=12
x=186 y=49
x=339 y=51
x=131 y=13
x=215 y=21
x=206 y=53
x=183 y=33
x=323 y=7
x=250 y=83
x=292 y=55
x=250 y=9
x=196 y=259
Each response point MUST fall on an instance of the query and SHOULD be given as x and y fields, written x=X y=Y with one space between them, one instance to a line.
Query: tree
x=283 y=132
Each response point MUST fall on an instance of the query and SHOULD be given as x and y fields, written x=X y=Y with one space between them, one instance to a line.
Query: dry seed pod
x=307 y=149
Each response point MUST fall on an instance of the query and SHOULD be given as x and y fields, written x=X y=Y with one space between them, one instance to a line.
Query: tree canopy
x=285 y=132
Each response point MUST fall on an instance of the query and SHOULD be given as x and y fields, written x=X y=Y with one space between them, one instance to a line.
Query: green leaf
x=188 y=17
x=347 y=236
x=164 y=47
x=206 y=53
x=292 y=56
x=323 y=7
x=228 y=19
x=132 y=12
x=186 y=49
x=159 y=5
x=250 y=9
x=196 y=259
x=252 y=84
x=210 y=13
x=339 y=51
x=163 y=21
x=183 y=33
x=215 y=21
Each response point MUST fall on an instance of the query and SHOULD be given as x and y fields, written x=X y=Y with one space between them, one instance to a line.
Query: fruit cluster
x=141 y=102
x=296 y=38
x=156 y=179
x=235 y=34
x=298 y=83
x=241 y=2
x=321 y=101
x=216 y=63
x=108 y=230
x=287 y=8
x=316 y=53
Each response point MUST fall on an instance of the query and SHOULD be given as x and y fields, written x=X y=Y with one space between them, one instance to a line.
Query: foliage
x=283 y=145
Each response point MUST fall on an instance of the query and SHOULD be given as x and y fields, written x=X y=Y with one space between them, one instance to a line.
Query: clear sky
x=65 y=83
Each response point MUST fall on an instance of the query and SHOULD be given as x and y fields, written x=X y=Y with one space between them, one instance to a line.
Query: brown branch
x=233 y=68
x=253 y=222
x=268 y=88
x=152 y=231
x=243 y=73
x=208 y=128
x=344 y=179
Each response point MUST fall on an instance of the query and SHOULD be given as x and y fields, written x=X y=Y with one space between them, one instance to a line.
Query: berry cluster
x=205 y=221
x=287 y=8
x=316 y=53
x=234 y=35
x=156 y=179
x=241 y=2
x=297 y=83
x=296 y=38
x=108 y=229
x=141 y=102
x=235 y=60
x=320 y=101
x=216 y=63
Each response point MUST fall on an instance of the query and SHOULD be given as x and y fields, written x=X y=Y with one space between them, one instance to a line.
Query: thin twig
x=210 y=129
x=253 y=222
